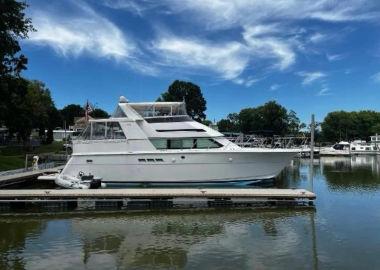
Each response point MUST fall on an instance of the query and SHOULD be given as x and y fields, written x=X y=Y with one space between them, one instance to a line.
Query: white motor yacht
x=339 y=149
x=158 y=143
x=359 y=147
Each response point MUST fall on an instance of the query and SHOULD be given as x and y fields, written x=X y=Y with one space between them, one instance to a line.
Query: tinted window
x=160 y=143
x=338 y=146
x=207 y=143
x=186 y=143
x=175 y=144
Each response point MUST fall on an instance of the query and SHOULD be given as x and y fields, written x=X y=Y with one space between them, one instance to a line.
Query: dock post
x=312 y=131
x=26 y=162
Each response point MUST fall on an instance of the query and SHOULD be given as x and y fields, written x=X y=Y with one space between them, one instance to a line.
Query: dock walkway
x=12 y=179
x=151 y=198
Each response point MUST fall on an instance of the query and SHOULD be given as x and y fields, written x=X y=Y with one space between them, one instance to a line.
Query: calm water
x=342 y=233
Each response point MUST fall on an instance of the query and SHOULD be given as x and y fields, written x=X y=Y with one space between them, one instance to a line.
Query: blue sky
x=312 y=56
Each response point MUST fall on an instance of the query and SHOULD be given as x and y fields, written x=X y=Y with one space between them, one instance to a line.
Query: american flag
x=88 y=110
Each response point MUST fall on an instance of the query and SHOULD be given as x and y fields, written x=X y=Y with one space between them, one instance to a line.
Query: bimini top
x=153 y=112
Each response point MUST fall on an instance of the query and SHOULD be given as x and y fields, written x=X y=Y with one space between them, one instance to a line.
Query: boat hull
x=184 y=167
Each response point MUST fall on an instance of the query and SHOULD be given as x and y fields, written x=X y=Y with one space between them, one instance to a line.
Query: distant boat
x=339 y=149
x=359 y=147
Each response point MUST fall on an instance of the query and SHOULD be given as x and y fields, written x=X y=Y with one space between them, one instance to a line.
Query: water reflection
x=14 y=234
x=242 y=239
x=357 y=173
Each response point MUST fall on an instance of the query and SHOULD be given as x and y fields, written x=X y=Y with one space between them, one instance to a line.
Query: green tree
x=191 y=94
x=28 y=106
x=249 y=121
x=274 y=118
x=99 y=113
x=69 y=112
x=294 y=123
x=342 y=125
x=13 y=27
x=268 y=119
x=231 y=124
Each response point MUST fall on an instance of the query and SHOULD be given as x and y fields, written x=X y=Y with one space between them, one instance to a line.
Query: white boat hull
x=184 y=167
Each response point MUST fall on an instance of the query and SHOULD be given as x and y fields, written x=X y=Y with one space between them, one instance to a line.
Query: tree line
x=268 y=120
x=342 y=125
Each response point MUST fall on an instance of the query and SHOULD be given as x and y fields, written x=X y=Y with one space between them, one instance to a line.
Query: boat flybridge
x=158 y=143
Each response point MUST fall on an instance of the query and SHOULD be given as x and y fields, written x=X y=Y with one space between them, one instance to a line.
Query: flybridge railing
x=252 y=141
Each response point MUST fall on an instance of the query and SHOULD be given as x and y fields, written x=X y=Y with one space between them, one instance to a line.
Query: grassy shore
x=13 y=157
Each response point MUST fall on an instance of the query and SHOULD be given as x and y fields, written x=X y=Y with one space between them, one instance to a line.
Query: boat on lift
x=158 y=143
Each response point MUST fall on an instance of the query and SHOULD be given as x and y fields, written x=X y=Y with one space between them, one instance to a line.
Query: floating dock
x=18 y=178
x=58 y=200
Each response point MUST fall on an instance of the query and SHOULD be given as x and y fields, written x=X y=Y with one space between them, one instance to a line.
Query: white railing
x=42 y=166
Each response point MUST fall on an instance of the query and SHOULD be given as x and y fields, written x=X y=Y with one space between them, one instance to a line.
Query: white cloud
x=325 y=91
x=376 y=77
x=274 y=87
x=263 y=45
x=227 y=13
x=85 y=32
x=266 y=34
x=248 y=82
x=334 y=57
x=318 y=37
x=227 y=59
x=310 y=77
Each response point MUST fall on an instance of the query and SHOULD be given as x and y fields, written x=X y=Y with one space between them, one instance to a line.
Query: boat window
x=185 y=143
x=160 y=143
x=98 y=130
x=353 y=148
x=188 y=143
x=367 y=149
x=102 y=131
x=160 y=109
x=207 y=143
x=175 y=144
x=114 y=131
x=338 y=146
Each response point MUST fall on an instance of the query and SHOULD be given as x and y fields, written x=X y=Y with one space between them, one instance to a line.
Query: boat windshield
x=339 y=146
x=108 y=130
x=160 y=109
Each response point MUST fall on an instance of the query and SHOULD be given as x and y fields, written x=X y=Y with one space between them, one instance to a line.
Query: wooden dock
x=13 y=179
x=150 y=198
